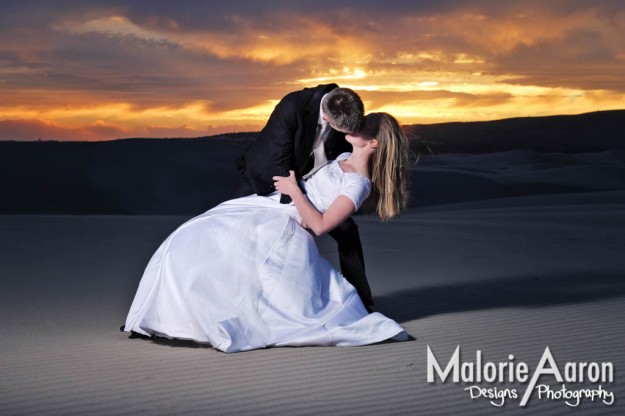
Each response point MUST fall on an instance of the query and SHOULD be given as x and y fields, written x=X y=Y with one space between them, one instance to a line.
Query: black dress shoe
x=134 y=334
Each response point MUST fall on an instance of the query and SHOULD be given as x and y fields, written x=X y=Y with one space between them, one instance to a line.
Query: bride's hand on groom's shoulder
x=286 y=185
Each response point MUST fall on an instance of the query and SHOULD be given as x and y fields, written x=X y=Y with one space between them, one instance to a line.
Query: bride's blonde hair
x=388 y=166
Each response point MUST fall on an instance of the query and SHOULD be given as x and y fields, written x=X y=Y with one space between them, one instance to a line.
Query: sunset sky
x=89 y=70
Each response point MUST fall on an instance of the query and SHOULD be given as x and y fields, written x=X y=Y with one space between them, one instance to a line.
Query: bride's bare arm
x=341 y=209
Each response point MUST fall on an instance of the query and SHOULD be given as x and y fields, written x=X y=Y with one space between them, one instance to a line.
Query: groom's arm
x=320 y=223
x=272 y=154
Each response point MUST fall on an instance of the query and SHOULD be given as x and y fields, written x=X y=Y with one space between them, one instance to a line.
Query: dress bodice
x=331 y=181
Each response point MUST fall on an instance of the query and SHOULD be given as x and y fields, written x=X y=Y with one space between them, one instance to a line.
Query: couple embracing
x=247 y=274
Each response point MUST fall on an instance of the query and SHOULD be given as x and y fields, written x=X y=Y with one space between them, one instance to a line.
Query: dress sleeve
x=357 y=188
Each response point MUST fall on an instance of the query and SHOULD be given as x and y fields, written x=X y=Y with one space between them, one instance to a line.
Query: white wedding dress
x=247 y=275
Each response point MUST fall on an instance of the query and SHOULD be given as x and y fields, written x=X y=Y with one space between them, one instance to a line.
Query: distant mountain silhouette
x=602 y=130
x=189 y=176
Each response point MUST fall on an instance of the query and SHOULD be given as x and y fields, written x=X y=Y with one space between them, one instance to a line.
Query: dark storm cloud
x=390 y=29
x=116 y=67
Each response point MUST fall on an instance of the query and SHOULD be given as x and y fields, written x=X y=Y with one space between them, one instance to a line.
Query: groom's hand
x=286 y=185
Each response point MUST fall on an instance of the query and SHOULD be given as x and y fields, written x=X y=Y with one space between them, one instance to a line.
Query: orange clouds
x=117 y=120
x=111 y=69
x=38 y=129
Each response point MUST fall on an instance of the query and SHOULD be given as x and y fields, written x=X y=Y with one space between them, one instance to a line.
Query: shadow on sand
x=527 y=291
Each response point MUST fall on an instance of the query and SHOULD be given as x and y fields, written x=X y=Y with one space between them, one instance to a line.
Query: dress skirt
x=247 y=275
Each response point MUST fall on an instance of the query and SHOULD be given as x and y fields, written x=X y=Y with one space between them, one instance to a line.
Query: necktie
x=318 y=151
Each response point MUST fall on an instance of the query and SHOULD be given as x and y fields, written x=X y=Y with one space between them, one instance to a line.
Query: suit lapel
x=310 y=128
x=310 y=124
x=311 y=118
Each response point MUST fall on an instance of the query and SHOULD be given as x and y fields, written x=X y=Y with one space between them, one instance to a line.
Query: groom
x=307 y=128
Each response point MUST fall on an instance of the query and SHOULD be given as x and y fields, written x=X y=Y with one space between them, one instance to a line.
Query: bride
x=246 y=274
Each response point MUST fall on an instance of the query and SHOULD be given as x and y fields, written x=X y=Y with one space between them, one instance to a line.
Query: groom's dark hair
x=344 y=109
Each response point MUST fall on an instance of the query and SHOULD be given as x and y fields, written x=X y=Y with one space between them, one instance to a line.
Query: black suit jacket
x=285 y=143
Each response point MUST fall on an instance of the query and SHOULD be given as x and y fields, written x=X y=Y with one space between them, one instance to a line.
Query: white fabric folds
x=246 y=275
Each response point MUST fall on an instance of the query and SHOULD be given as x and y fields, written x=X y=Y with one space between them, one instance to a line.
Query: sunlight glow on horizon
x=197 y=119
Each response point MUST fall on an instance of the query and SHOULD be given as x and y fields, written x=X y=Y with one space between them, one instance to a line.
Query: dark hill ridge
x=189 y=176
x=590 y=132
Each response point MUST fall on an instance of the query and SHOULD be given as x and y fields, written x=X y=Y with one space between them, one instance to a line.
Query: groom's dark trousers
x=284 y=144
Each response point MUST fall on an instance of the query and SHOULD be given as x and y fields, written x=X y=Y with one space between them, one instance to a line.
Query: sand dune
x=452 y=178
x=546 y=270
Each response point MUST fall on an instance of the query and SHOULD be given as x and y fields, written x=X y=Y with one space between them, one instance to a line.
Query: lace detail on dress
x=275 y=261
x=335 y=172
x=286 y=236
